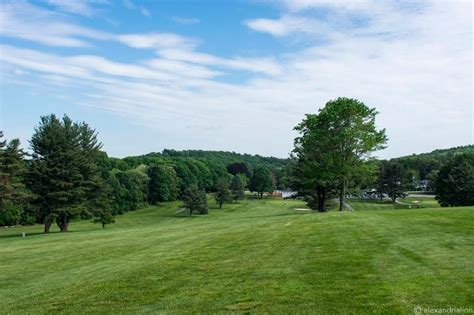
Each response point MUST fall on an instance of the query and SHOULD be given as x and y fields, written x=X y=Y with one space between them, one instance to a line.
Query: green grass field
x=257 y=256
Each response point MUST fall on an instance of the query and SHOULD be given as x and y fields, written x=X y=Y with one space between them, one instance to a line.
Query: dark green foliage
x=187 y=178
x=14 y=197
x=237 y=187
x=222 y=193
x=238 y=168
x=163 y=183
x=454 y=185
x=10 y=214
x=261 y=181
x=392 y=179
x=195 y=200
x=423 y=164
x=63 y=172
x=129 y=189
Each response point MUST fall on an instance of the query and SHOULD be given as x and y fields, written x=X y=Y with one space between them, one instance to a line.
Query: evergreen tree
x=63 y=172
x=237 y=187
x=195 y=200
x=222 y=192
x=261 y=181
x=13 y=195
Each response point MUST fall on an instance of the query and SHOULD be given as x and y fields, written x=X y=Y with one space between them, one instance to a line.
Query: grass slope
x=256 y=256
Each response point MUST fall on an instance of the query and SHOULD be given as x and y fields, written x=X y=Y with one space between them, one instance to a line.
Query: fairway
x=254 y=256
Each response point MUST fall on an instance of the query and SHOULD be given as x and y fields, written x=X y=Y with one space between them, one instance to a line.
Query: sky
x=236 y=75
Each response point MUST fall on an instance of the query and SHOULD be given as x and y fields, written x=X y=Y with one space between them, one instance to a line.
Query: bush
x=10 y=214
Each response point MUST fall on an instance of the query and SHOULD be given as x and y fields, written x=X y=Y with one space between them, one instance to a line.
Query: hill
x=259 y=255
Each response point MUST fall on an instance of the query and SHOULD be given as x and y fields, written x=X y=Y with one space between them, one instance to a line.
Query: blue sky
x=236 y=75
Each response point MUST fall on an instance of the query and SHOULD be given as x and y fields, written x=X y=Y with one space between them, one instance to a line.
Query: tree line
x=66 y=176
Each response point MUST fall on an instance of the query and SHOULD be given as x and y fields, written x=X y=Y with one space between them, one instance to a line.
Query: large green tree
x=261 y=181
x=335 y=143
x=63 y=173
x=454 y=186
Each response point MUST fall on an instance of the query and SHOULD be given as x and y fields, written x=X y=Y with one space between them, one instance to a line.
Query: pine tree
x=63 y=172
x=13 y=195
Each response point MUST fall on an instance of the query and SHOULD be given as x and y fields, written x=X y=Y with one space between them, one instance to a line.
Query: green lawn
x=258 y=256
x=408 y=203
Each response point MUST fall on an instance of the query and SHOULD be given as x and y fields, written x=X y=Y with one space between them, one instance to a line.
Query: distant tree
x=63 y=172
x=237 y=187
x=261 y=181
x=104 y=216
x=222 y=193
x=454 y=186
x=238 y=168
x=392 y=179
x=342 y=136
x=195 y=200
x=163 y=184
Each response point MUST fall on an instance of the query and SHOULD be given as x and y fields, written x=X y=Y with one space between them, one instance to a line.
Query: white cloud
x=185 y=21
x=28 y=22
x=286 y=25
x=156 y=40
x=258 y=65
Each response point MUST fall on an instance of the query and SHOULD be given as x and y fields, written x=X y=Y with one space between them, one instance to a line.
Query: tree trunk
x=47 y=225
x=321 y=191
x=342 y=193
x=220 y=204
x=261 y=195
x=103 y=225
x=63 y=223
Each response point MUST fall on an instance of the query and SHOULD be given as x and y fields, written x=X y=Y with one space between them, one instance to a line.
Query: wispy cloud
x=185 y=21
x=156 y=40
x=80 y=7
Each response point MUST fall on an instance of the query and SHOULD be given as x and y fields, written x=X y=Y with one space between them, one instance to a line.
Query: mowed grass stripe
x=255 y=255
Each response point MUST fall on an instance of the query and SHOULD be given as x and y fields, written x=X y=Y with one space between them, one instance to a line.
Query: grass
x=408 y=203
x=257 y=256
